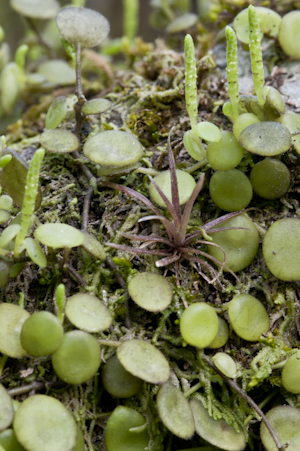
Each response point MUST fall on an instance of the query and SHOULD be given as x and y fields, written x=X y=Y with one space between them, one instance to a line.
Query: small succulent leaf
x=6 y=202
x=256 y=54
x=31 y=425
x=96 y=106
x=92 y=245
x=193 y=145
x=216 y=432
x=36 y=9
x=143 y=360
x=8 y=234
x=35 y=252
x=12 y=318
x=113 y=148
x=289 y=34
x=182 y=22
x=174 y=411
x=266 y=138
x=58 y=235
x=4 y=216
x=6 y=409
x=59 y=140
x=232 y=72
x=88 y=313
x=208 y=131
x=57 y=112
x=150 y=291
x=57 y=73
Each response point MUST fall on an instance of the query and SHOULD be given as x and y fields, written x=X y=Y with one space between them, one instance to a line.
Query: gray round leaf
x=82 y=26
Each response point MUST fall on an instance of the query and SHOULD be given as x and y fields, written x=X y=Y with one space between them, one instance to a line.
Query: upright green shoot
x=256 y=55
x=232 y=71
x=60 y=300
x=131 y=18
x=31 y=189
x=190 y=80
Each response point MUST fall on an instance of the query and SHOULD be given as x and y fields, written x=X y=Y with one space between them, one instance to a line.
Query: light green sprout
x=30 y=194
x=190 y=80
x=256 y=55
x=232 y=71
x=60 y=300
x=131 y=18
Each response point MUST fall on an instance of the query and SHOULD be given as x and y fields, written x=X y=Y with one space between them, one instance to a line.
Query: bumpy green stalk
x=256 y=55
x=60 y=300
x=131 y=18
x=30 y=194
x=232 y=71
x=190 y=80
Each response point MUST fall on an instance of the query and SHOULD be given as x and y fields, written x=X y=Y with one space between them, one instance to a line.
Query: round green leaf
x=57 y=112
x=216 y=432
x=82 y=26
x=292 y=121
x=92 y=245
x=4 y=216
x=59 y=140
x=193 y=145
x=44 y=423
x=225 y=363
x=12 y=318
x=186 y=184
x=88 y=313
x=35 y=252
x=35 y=8
x=6 y=202
x=199 y=324
x=144 y=361
x=230 y=190
x=224 y=154
x=281 y=249
x=57 y=72
x=9 y=442
x=208 y=131
x=58 y=235
x=119 y=382
x=269 y=22
x=289 y=34
x=120 y=434
x=266 y=138
x=290 y=374
x=182 y=22
x=222 y=335
x=96 y=106
x=113 y=148
x=174 y=411
x=270 y=178
x=6 y=409
x=41 y=334
x=8 y=234
x=240 y=244
x=285 y=421
x=150 y=291
x=248 y=317
x=77 y=358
